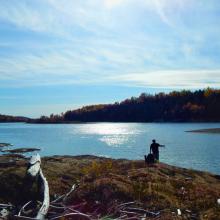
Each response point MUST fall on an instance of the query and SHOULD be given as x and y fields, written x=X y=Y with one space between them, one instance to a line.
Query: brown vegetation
x=103 y=184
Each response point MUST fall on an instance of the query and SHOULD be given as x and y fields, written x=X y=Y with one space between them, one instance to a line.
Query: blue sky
x=57 y=55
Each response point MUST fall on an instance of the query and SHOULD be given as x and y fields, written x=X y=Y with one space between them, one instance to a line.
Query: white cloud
x=59 y=16
x=114 y=3
x=172 y=79
x=171 y=10
x=22 y=15
x=105 y=40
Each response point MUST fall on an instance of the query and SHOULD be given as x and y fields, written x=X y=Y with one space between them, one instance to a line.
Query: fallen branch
x=73 y=210
x=72 y=189
x=128 y=212
x=64 y=196
x=57 y=207
x=57 y=199
x=149 y=213
x=126 y=203
x=23 y=217
x=23 y=207
x=34 y=170
x=71 y=214
x=46 y=203
x=5 y=205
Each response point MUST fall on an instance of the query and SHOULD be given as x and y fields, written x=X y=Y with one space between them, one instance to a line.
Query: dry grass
x=157 y=188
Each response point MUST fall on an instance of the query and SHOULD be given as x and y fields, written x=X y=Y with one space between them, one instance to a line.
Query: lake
x=121 y=140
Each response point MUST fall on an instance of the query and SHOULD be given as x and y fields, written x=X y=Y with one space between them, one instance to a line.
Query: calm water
x=121 y=140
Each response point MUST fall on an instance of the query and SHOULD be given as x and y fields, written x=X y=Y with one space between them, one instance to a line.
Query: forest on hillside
x=176 y=106
x=9 y=118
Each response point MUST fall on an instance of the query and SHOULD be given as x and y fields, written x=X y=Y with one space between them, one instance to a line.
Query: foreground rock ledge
x=106 y=181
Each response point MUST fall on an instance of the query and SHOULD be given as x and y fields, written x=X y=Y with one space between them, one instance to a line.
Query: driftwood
x=46 y=203
x=34 y=170
x=23 y=207
x=34 y=166
x=5 y=205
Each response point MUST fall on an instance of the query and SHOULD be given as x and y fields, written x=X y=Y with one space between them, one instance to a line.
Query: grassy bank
x=158 y=188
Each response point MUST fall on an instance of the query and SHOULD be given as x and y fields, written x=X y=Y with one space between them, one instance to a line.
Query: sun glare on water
x=114 y=135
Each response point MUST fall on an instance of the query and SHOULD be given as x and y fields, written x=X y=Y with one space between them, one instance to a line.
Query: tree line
x=9 y=118
x=176 y=106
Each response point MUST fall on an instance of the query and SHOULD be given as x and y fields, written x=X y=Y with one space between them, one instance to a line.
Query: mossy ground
x=159 y=187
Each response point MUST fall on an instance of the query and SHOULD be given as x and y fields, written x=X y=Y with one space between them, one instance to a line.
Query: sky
x=57 y=55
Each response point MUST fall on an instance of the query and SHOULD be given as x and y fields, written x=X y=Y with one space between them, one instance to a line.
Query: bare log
x=34 y=170
x=46 y=203
x=34 y=165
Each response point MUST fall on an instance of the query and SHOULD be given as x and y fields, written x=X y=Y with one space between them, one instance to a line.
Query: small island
x=208 y=131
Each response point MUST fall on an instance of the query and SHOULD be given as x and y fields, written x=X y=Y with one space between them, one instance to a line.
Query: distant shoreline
x=174 y=107
x=139 y=122
x=208 y=130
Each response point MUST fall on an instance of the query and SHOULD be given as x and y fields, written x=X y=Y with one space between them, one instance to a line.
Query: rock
x=4 y=213
x=14 y=156
x=5 y=145
x=21 y=150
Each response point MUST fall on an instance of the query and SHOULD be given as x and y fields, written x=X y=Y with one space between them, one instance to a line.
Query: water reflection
x=121 y=140
x=115 y=140
x=107 y=128
x=112 y=134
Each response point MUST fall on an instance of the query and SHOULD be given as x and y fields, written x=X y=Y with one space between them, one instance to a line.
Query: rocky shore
x=208 y=131
x=114 y=189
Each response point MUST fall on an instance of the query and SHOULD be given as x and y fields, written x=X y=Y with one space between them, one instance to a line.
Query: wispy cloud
x=179 y=79
x=104 y=41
